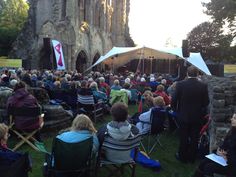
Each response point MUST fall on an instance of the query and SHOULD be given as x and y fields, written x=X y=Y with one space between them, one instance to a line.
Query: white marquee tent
x=119 y=56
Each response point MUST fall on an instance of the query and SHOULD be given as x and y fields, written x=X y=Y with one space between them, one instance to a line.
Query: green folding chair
x=71 y=159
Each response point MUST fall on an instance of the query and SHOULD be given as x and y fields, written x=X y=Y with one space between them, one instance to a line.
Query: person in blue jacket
x=82 y=128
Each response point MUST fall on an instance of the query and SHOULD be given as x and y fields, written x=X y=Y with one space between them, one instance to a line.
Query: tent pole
x=169 y=65
x=143 y=60
x=151 y=66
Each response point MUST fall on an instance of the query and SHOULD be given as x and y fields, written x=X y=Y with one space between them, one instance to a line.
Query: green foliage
x=208 y=38
x=7 y=37
x=222 y=11
x=229 y=69
x=13 y=14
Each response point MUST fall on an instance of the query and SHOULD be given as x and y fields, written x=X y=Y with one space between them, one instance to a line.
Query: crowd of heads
x=51 y=79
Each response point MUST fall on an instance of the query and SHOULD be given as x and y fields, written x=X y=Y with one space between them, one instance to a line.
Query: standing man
x=190 y=101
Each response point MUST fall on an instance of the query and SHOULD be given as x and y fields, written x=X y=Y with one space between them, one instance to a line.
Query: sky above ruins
x=153 y=22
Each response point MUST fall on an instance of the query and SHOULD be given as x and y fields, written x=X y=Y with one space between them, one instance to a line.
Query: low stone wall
x=222 y=93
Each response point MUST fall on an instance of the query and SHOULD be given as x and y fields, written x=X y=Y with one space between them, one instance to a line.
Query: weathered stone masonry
x=104 y=22
x=222 y=93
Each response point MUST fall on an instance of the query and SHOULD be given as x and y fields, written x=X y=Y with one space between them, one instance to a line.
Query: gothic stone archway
x=81 y=62
x=97 y=67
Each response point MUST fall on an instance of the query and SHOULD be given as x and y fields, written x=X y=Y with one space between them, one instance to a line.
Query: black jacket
x=229 y=145
x=190 y=100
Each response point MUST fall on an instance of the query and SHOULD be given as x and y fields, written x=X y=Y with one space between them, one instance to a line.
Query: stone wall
x=222 y=93
x=105 y=25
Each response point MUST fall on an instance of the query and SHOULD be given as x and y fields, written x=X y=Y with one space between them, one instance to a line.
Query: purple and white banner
x=59 y=55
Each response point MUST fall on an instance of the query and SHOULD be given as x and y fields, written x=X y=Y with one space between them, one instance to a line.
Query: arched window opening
x=81 y=62
x=97 y=67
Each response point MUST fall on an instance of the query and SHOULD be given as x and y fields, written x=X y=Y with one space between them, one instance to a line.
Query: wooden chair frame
x=96 y=112
x=23 y=135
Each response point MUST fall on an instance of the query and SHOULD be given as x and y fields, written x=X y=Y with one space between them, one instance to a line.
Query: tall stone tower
x=87 y=29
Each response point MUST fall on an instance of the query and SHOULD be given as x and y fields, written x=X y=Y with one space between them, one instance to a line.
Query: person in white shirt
x=144 y=118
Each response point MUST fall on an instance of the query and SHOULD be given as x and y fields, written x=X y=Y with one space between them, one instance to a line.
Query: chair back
x=25 y=111
x=119 y=151
x=71 y=156
x=86 y=102
x=71 y=97
x=28 y=121
x=86 y=99
x=157 y=119
x=56 y=94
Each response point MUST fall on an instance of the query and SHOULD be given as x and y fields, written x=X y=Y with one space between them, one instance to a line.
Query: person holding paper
x=227 y=150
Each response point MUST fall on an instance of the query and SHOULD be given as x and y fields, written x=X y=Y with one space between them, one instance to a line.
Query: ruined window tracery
x=82 y=10
x=63 y=9
x=97 y=21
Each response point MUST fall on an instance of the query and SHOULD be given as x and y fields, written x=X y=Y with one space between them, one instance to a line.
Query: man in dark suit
x=190 y=101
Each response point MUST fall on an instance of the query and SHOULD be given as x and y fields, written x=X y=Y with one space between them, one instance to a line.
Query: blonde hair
x=147 y=93
x=83 y=122
x=116 y=82
x=57 y=84
x=3 y=130
x=94 y=85
x=160 y=87
x=158 y=101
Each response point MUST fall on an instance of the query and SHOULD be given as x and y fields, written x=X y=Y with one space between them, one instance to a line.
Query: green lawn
x=229 y=69
x=170 y=166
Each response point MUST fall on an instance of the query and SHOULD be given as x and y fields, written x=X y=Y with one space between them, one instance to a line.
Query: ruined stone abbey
x=87 y=29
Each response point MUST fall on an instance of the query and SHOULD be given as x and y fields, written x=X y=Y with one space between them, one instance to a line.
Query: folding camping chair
x=33 y=113
x=157 y=119
x=114 y=155
x=173 y=120
x=87 y=105
x=70 y=159
x=204 y=137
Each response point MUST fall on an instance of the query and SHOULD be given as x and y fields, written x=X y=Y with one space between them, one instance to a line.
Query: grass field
x=170 y=166
x=229 y=69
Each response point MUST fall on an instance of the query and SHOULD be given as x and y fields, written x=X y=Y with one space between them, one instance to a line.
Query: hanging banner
x=59 y=54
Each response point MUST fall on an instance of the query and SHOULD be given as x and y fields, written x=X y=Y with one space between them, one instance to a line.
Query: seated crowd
x=84 y=91
x=80 y=93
